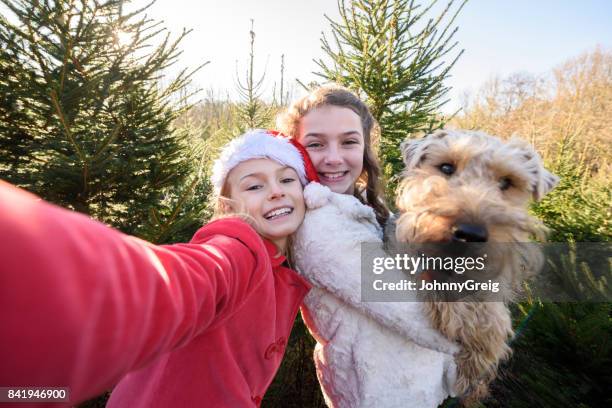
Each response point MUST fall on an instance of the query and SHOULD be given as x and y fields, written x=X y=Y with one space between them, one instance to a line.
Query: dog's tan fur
x=432 y=203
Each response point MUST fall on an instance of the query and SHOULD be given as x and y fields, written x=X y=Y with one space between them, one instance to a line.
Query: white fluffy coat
x=368 y=354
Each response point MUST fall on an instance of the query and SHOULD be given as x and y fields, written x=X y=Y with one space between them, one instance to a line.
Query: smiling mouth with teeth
x=277 y=213
x=333 y=176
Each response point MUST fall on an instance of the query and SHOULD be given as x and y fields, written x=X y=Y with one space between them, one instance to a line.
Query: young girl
x=198 y=324
x=378 y=354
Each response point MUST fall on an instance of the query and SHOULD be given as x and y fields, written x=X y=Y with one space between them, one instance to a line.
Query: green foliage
x=561 y=359
x=578 y=209
x=572 y=273
x=84 y=121
x=392 y=54
x=562 y=352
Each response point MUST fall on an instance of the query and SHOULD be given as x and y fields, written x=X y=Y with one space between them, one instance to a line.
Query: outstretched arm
x=82 y=304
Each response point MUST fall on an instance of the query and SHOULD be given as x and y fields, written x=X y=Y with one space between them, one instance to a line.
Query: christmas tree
x=84 y=120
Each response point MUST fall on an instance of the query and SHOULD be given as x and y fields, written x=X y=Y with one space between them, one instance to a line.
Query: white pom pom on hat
x=262 y=144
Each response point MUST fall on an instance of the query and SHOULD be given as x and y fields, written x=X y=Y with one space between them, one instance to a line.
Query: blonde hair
x=335 y=95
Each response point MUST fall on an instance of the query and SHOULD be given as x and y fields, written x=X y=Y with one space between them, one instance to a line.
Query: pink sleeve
x=81 y=304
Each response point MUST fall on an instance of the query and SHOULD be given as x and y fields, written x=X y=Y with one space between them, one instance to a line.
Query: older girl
x=378 y=354
x=337 y=128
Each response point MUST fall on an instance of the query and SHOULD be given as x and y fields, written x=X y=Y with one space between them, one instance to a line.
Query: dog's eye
x=505 y=183
x=447 y=168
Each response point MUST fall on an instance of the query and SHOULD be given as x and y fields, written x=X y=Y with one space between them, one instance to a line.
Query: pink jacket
x=82 y=305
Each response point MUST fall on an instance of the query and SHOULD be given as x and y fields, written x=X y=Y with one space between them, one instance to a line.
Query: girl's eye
x=288 y=180
x=505 y=183
x=351 y=142
x=447 y=168
x=253 y=188
x=313 y=145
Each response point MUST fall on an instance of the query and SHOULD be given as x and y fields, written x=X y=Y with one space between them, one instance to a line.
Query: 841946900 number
x=46 y=394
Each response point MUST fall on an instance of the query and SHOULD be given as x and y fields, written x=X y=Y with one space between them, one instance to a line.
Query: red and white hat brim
x=257 y=144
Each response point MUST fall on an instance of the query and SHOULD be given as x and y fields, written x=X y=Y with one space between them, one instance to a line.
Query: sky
x=500 y=37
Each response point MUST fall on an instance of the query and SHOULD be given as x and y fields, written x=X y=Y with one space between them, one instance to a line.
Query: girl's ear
x=224 y=206
x=227 y=206
x=224 y=203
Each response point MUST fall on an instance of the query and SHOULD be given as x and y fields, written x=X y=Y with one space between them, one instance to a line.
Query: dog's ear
x=412 y=151
x=545 y=183
x=541 y=180
x=413 y=148
x=408 y=148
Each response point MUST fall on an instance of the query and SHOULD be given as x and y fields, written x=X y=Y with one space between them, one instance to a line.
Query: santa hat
x=263 y=144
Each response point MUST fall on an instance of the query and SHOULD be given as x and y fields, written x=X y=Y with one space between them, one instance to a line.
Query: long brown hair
x=370 y=179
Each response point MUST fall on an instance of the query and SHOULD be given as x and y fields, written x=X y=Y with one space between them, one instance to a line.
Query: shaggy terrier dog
x=463 y=187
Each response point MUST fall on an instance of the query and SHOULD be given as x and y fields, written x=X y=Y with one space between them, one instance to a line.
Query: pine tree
x=84 y=120
x=252 y=111
x=392 y=54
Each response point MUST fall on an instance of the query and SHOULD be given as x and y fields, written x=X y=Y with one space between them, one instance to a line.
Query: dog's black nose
x=470 y=233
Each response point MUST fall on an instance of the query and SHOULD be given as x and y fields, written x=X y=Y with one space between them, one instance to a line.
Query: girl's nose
x=276 y=191
x=332 y=156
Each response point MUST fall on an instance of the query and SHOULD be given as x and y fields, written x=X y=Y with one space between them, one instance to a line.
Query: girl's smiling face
x=271 y=194
x=333 y=137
